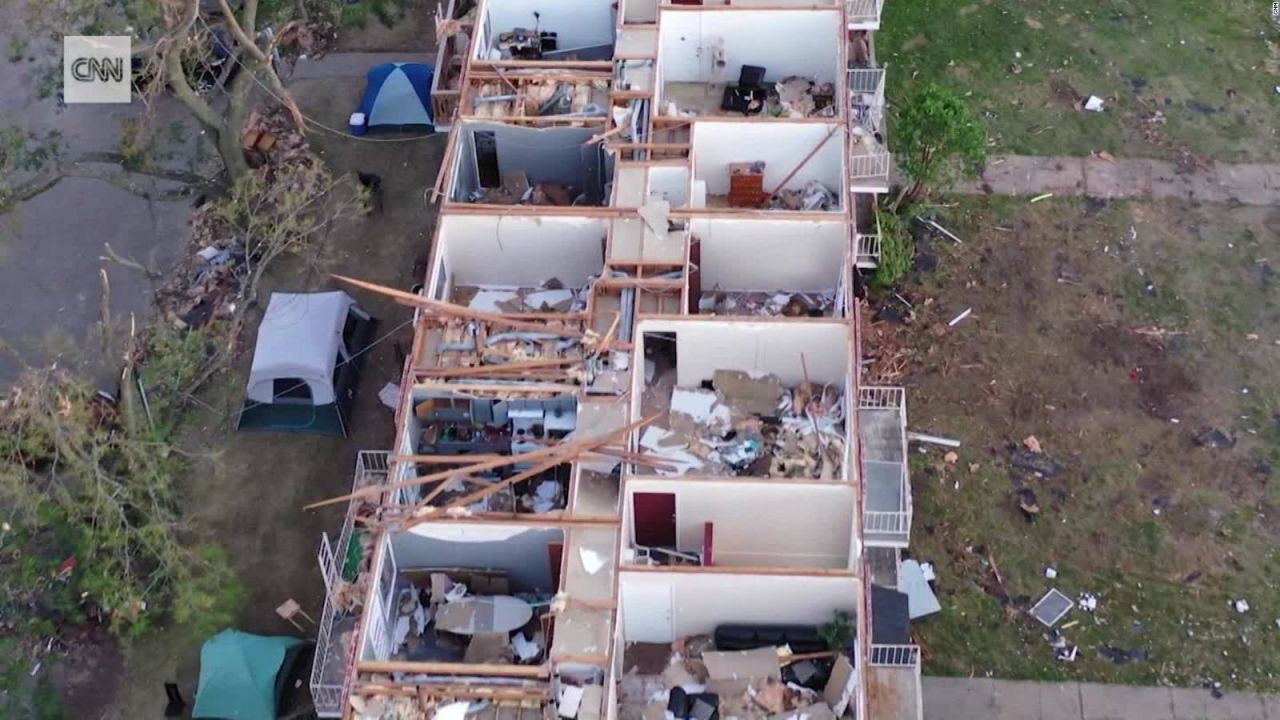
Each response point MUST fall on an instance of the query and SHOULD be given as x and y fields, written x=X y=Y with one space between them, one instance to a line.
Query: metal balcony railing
x=899 y=656
x=867 y=250
x=882 y=428
x=873 y=397
x=863 y=12
x=886 y=522
x=869 y=163
x=329 y=693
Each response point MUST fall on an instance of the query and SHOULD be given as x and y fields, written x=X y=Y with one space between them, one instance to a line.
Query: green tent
x=241 y=675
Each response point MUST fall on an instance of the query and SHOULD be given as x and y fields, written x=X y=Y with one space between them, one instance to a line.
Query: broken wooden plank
x=415 y=300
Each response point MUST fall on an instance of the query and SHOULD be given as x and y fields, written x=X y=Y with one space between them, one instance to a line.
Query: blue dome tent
x=397 y=96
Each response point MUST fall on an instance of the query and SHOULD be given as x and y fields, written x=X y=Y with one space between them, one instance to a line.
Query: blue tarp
x=397 y=95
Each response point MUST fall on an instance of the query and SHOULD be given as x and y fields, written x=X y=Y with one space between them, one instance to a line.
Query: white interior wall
x=581 y=23
x=670 y=184
x=763 y=347
x=698 y=602
x=765 y=255
x=780 y=146
x=808 y=525
x=515 y=250
x=750 y=37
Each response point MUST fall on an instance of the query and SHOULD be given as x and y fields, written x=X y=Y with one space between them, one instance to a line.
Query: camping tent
x=306 y=363
x=242 y=675
x=397 y=96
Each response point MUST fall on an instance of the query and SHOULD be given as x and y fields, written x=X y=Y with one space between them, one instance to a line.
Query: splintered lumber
x=805 y=161
x=560 y=453
x=503 y=461
x=415 y=300
x=498 y=369
x=453 y=668
x=488 y=490
x=513 y=693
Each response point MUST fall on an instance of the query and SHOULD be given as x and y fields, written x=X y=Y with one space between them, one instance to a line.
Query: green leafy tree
x=897 y=250
x=937 y=139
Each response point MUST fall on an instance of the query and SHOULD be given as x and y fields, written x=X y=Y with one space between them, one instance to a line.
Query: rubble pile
x=208 y=283
x=751 y=426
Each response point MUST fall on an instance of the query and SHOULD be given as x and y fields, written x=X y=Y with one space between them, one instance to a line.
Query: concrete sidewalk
x=1026 y=175
x=983 y=699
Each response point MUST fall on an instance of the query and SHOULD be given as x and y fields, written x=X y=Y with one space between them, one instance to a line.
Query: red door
x=555 y=552
x=654 y=515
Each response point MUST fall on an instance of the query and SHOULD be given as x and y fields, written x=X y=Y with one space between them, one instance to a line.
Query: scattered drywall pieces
x=920 y=598
x=569 y=701
x=756 y=395
x=839 y=689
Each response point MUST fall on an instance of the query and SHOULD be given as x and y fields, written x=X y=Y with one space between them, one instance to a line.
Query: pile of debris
x=751 y=426
x=516 y=190
x=551 y=296
x=542 y=98
x=800 y=97
x=209 y=282
x=718 y=302
x=813 y=196
x=476 y=348
x=770 y=683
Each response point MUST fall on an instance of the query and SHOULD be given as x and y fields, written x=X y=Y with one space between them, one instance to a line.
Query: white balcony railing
x=882 y=398
x=867 y=250
x=886 y=522
x=869 y=163
x=863 y=13
x=882 y=428
x=899 y=656
x=866 y=99
x=329 y=689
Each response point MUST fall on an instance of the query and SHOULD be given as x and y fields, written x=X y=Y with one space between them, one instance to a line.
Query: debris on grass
x=951 y=457
x=1027 y=502
x=1040 y=464
x=1241 y=606
x=1087 y=602
x=1050 y=572
x=932 y=439
x=1032 y=444
x=1051 y=607
x=960 y=317
x=1044 y=196
x=1215 y=438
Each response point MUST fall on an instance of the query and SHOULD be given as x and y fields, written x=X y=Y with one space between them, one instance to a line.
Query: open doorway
x=485 y=143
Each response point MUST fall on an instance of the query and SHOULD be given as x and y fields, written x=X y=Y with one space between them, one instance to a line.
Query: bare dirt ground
x=1119 y=336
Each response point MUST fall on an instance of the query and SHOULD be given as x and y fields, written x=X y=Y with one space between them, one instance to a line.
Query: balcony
x=867 y=250
x=330 y=676
x=863 y=14
x=893 y=682
x=869 y=162
x=882 y=429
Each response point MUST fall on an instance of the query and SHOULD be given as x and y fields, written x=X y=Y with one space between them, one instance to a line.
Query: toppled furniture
x=748 y=96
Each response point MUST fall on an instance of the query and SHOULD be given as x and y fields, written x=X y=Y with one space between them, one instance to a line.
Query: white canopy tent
x=300 y=339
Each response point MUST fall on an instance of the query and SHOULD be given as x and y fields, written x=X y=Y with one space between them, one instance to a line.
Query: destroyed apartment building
x=636 y=473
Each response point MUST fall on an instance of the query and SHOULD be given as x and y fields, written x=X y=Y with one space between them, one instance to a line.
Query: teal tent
x=241 y=675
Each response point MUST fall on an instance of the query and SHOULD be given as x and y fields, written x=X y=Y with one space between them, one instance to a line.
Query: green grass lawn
x=1207 y=65
x=1115 y=335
